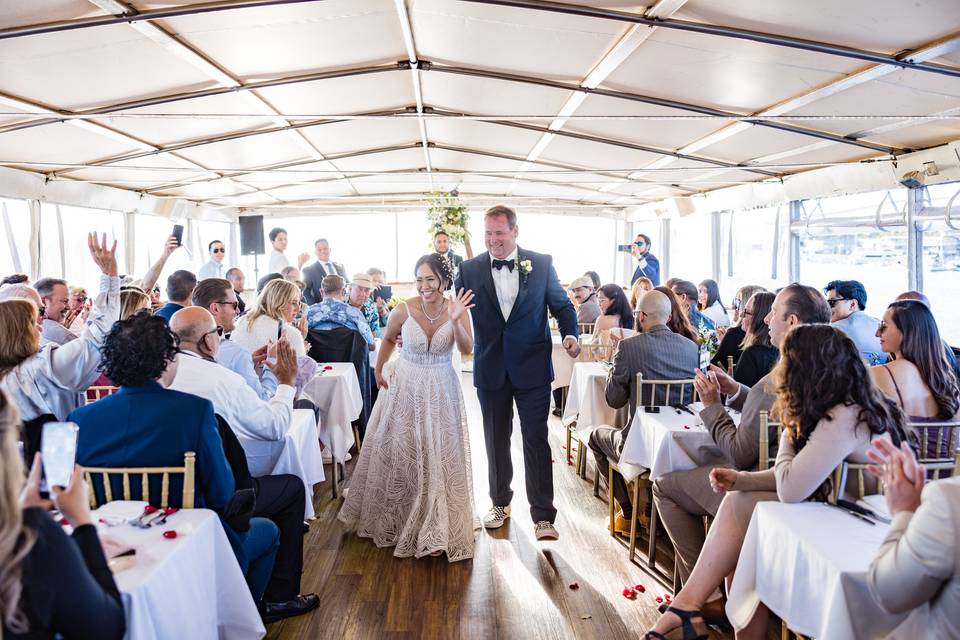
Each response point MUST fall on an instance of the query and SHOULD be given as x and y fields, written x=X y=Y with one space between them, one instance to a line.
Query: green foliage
x=447 y=214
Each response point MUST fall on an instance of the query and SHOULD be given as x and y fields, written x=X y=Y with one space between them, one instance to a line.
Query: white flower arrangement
x=524 y=267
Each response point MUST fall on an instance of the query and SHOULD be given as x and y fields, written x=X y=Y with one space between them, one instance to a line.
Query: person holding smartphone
x=59 y=585
x=647 y=264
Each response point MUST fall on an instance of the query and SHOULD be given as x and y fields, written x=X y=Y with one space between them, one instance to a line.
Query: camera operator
x=647 y=263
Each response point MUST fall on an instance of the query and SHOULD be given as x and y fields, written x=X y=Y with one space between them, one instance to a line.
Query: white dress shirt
x=237 y=359
x=507 y=283
x=56 y=333
x=328 y=268
x=238 y=404
x=278 y=262
x=212 y=269
x=53 y=379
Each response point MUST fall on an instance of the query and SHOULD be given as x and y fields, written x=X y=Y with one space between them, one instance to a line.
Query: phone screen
x=384 y=293
x=59 y=451
x=280 y=330
x=178 y=233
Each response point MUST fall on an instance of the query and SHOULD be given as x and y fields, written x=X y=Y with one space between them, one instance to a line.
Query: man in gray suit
x=658 y=354
x=684 y=497
x=314 y=274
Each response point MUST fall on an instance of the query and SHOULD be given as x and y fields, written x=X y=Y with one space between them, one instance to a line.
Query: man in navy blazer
x=514 y=288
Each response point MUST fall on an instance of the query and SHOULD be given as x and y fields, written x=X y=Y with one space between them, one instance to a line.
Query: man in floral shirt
x=333 y=312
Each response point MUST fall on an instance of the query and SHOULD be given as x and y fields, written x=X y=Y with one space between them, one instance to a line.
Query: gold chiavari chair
x=938 y=445
x=767 y=427
x=588 y=353
x=104 y=473
x=585 y=328
x=95 y=393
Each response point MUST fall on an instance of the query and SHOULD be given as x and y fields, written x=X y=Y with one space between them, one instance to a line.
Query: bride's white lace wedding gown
x=412 y=486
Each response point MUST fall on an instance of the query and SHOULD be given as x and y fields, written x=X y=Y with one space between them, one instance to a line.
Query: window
x=63 y=242
x=941 y=263
x=691 y=251
x=753 y=241
x=15 y=237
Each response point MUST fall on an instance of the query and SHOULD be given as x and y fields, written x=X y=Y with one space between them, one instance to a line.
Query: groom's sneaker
x=544 y=530
x=496 y=517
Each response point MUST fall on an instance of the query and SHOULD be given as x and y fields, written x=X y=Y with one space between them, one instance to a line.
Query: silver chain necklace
x=427 y=316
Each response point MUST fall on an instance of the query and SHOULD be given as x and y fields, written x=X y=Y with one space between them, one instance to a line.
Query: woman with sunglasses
x=731 y=337
x=49 y=381
x=759 y=354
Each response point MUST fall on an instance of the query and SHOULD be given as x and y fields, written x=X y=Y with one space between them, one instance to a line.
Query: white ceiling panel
x=244 y=153
x=399 y=160
x=485 y=96
x=17 y=14
x=60 y=143
x=269 y=42
x=607 y=157
x=313 y=190
x=482 y=135
x=355 y=94
x=355 y=135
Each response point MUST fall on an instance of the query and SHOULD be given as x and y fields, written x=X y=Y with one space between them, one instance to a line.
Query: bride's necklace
x=427 y=316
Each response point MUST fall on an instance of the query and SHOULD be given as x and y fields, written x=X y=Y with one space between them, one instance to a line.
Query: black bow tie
x=499 y=264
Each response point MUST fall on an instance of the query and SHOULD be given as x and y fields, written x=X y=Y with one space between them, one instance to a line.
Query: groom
x=512 y=349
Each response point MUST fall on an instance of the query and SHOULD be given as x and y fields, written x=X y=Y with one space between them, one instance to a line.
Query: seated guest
x=658 y=354
x=847 y=300
x=262 y=282
x=360 y=289
x=280 y=498
x=679 y=321
x=235 y=276
x=825 y=423
x=218 y=297
x=147 y=425
x=709 y=303
x=198 y=373
x=588 y=309
x=273 y=316
x=55 y=301
x=133 y=301
x=379 y=279
x=684 y=497
x=594 y=278
x=51 y=585
x=291 y=274
x=917 y=377
x=688 y=295
x=16 y=278
x=214 y=267
x=916 y=564
x=333 y=312
x=759 y=354
x=732 y=336
x=78 y=309
x=180 y=286
x=641 y=286
x=52 y=379
x=616 y=321
x=919 y=297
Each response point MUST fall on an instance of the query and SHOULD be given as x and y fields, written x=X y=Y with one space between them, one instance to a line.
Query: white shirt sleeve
x=259 y=420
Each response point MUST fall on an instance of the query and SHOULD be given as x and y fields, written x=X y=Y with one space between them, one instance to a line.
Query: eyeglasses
x=218 y=331
x=833 y=301
x=746 y=313
x=234 y=303
x=41 y=311
x=881 y=327
x=219 y=250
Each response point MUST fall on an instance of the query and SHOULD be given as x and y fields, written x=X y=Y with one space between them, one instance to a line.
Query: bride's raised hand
x=460 y=303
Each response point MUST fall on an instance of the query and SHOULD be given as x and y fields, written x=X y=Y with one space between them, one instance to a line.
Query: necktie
x=330 y=270
x=499 y=264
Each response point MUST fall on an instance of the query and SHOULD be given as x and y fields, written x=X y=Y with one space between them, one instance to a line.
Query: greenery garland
x=448 y=215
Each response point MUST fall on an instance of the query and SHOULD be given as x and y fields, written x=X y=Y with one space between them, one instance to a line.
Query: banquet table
x=807 y=563
x=188 y=587
x=669 y=440
x=586 y=403
x=297 y=454
x=336 y=392
x=562 y=364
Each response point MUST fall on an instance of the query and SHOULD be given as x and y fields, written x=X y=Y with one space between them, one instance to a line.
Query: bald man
x=279 y=497
x=657 y=353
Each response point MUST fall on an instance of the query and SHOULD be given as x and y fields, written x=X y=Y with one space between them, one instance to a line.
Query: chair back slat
x=596 y=353
x=585 y=327
x=766 y=427
x=97 y=392
x=105 y=473
x=841 y=479
x=938 y=444
x=665 y=392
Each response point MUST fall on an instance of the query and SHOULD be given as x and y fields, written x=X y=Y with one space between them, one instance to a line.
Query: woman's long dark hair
x=820 y=367
x=922 y=346
x=679 y=322
x=619 y=305
x=713 y=294
x=758 y=333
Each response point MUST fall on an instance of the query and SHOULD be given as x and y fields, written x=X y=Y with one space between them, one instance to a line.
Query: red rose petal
x=574 y=586
x=628 y=592
x=64 y=522
x=328 y=367
x=685 y=427
x=149 y=509
x=170 y=535
x=640 y=588
x=570 y=462
x=667 y=597
x=659 y=599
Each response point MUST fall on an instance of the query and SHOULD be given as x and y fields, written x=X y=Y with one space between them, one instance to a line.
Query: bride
x=412 y=486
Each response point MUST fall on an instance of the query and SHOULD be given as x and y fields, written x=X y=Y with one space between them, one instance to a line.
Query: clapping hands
x=901 y=474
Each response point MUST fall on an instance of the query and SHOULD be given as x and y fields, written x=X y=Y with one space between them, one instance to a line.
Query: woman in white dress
x=412 y=487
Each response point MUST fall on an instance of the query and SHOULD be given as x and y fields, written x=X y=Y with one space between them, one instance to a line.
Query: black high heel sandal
x=688 y=629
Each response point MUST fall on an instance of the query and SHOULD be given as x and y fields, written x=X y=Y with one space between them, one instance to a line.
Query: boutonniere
x=524 y=267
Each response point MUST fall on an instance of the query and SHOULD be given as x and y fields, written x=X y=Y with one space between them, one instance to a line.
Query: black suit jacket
x=312 y=277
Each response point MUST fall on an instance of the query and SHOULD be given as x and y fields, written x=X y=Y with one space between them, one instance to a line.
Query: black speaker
x=251 y=235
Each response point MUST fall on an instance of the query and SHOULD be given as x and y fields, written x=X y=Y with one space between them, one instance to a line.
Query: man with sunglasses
x=847 y=300
x=218 y=296
x=647 y=263
x=214 y=267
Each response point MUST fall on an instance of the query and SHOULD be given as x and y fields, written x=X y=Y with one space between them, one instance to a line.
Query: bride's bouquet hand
x=460 y=303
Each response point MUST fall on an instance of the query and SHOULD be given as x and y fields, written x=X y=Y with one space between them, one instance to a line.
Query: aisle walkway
x=514 y=587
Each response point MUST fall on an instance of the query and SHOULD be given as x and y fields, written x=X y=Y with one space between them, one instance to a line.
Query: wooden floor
x=514 y=587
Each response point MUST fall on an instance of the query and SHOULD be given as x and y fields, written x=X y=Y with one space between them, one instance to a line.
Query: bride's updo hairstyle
x=440 y=266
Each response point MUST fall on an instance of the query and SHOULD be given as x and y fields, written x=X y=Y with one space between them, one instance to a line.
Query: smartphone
x=178 y=233
x=652 y=409
x=384 y=293
x=280 y=330
x=626 y=248
x=58 y=447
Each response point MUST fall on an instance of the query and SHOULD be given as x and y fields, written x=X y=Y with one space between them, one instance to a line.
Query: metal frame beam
x=903 y=60
x=406 y=27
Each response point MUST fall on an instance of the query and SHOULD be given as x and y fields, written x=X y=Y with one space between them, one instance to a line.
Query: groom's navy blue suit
x=512 y=363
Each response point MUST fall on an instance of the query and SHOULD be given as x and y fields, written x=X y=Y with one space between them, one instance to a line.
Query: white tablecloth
x=337 y=394
x=562 y=364
x=188 y=587
x=807 y=563
x=659 y=442
x=586 y=402
x=298 y=454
